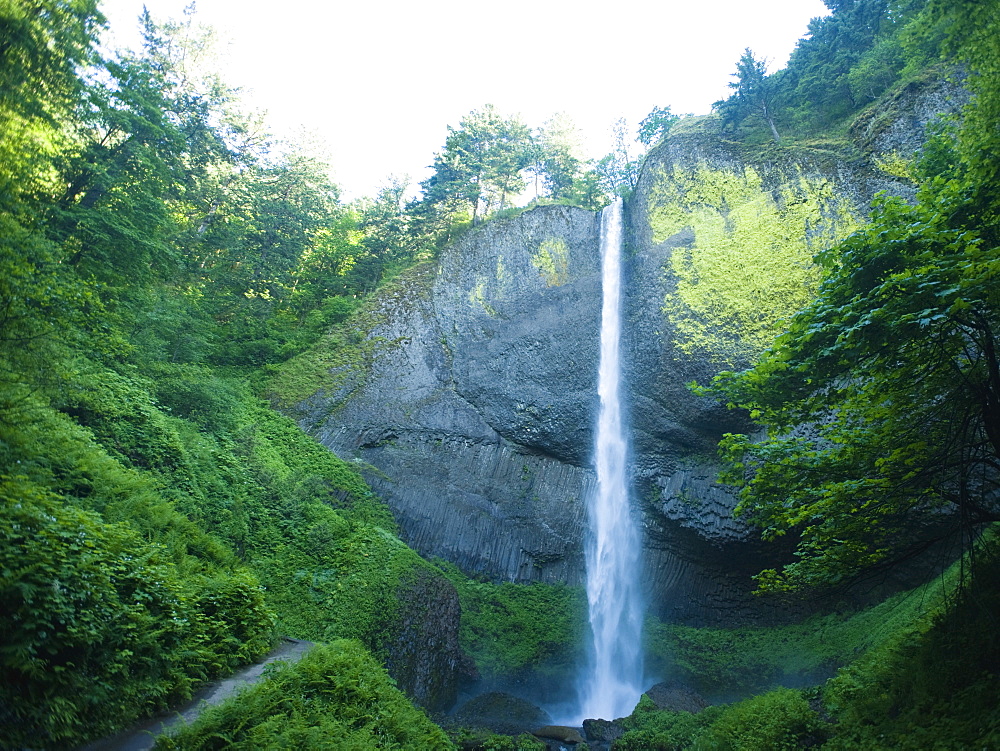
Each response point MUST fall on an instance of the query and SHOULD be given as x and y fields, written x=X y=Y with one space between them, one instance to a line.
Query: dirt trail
x=141 y=736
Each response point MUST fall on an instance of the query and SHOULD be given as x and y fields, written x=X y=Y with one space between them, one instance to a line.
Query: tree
x=846 y=58
x=222 y=142
x=881 y=402
x=43 y=304
x=656 y=125
x=559 y=156
x=113 y=217
x=618 y=172
x=755 y=93
x=481 y=165
x=42 y=46
x=972 y=31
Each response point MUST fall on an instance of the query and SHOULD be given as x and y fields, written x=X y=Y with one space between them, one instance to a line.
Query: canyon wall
x=466 y=392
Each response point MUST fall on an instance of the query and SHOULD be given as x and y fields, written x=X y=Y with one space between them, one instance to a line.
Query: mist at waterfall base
x=611 y=682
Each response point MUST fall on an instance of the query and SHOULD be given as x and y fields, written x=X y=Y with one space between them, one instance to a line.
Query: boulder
x=602 y=731
x=424 y=656
x=676 y=697
x=559 y=733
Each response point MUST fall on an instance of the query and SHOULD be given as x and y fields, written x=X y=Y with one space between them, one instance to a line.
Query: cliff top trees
x=755 y=93
x=656 y=125
x=484 y=165
x=481 y=164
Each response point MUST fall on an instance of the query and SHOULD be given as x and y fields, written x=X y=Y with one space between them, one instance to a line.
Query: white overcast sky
x=380 y=80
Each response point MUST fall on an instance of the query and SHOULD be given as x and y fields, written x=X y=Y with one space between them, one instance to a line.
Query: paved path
x=141 y=737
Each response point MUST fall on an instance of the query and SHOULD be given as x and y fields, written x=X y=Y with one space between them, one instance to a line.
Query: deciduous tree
x=881 y=402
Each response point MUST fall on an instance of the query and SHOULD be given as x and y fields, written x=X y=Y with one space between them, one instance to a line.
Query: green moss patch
x=750 y=262
x=510 y=627
x=552 y=262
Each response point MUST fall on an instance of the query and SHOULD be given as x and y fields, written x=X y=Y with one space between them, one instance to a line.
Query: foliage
x=157 y=249
x=618 y=172
x=779 y=720
x=934 y=683
x=971 y=35
x=649 y=729
x=894 y=370
x=655 y=126
x=755 y=93
x=480 y=168
x=846 y=61
x=508 y=627
x=336 y=696
x=881 y=401
x=44 y=43
x=727 y=662
x=922 y=670
x=337 y=581
x=559 y=161
x=103 y=626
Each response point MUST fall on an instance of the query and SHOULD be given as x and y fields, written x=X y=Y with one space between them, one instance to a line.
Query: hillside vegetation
x=161 y=524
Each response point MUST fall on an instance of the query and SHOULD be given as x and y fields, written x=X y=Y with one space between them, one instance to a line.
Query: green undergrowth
x=919 y=671
x=485 y=741
x=336 y=696
x=113 y=604
x=160 y=524
x=780 y=720
x=346 y=586
x=724 y=663
x=322 y=545
x=507 y=628
x=935 y=682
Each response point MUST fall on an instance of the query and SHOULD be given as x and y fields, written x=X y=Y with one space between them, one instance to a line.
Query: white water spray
x=613 y=683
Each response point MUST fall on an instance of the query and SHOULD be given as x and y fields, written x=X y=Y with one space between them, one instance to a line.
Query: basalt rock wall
x=470 y=397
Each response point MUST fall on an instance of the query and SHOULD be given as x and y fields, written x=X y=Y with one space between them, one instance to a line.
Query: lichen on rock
x=746 y=261
x=552 y=261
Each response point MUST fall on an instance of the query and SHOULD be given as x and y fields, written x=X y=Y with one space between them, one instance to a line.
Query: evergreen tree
x=755 y=93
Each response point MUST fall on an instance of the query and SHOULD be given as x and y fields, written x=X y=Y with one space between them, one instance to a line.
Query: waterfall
x=612 y=685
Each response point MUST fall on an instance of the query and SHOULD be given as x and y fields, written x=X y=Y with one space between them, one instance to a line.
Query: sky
x=379 y=81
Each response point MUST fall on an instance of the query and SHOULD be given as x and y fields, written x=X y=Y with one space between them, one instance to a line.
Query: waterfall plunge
x=613 y=683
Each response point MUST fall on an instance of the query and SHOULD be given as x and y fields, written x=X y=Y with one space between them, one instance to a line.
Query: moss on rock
x=744 y=248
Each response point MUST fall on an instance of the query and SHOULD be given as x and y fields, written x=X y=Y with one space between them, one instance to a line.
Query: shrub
x=98 y=626
x=651 y=729
x=336 y=696
x=780 y=720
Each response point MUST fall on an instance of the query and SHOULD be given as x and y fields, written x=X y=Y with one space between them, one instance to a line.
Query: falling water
x=613 y=683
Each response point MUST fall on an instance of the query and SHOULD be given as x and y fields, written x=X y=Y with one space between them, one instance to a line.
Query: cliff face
x=469 y=390
x=474 y=408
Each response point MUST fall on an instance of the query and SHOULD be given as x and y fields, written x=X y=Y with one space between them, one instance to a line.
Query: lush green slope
x=336 y=696
x=922 y=672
